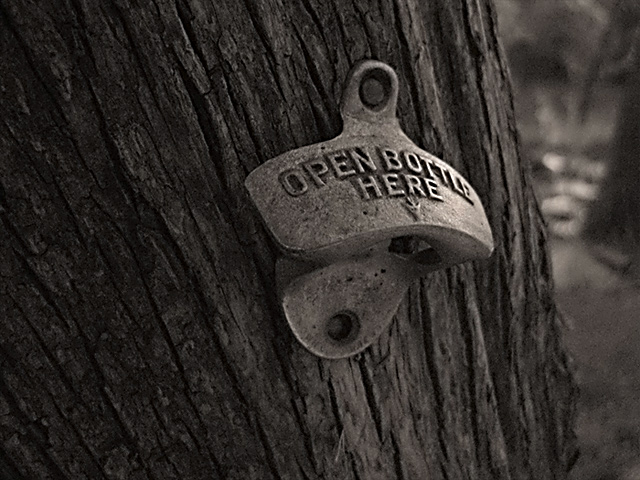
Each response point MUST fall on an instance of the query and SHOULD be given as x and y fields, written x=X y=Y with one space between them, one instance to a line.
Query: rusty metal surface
x=365 y=291
x=337 y=205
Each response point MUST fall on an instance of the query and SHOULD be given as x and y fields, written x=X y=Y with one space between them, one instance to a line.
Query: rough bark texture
x=140 y=334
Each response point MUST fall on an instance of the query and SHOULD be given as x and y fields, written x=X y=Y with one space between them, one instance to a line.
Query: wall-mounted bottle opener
x=339 y=208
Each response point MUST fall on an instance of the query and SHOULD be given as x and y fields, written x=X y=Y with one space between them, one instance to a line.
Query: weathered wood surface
x=140 y=335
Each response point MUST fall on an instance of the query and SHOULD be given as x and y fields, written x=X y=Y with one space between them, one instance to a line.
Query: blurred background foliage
x=572 y=63
x=575 y=70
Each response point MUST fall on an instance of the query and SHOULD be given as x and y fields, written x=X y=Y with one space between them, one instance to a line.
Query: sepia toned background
x=575 y=69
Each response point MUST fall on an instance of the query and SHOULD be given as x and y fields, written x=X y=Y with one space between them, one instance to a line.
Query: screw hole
x=343 y=327
x=375 y=89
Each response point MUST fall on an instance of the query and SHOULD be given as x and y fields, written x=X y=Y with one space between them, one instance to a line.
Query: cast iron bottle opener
x=335 y=208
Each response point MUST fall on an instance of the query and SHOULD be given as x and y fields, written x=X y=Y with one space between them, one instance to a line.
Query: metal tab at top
x=370 y=95
x=337 y=206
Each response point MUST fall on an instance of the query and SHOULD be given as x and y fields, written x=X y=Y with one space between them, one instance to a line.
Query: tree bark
x=140 y=333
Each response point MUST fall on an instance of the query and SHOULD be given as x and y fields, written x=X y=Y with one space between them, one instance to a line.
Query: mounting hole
x=343 y=327
x=375 y=89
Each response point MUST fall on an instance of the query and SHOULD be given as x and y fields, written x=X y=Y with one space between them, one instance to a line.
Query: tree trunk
x=615 y=217
x=140 y=332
